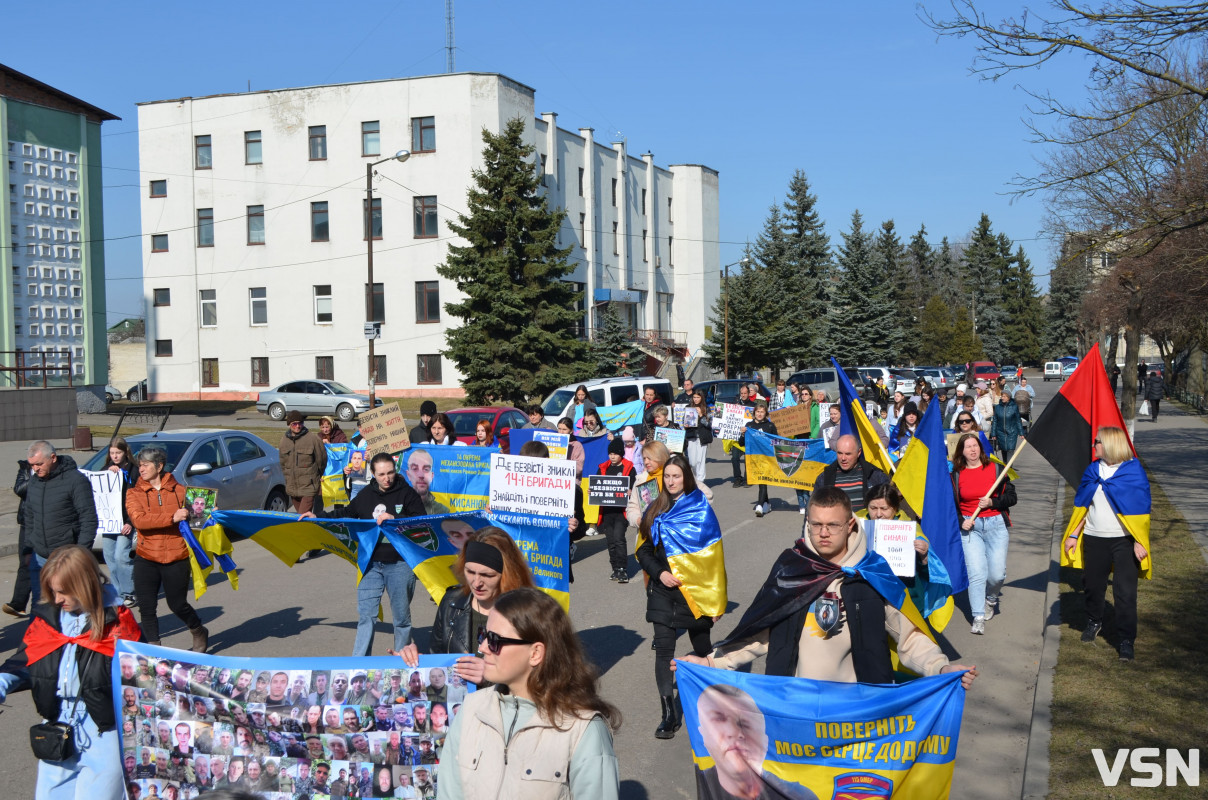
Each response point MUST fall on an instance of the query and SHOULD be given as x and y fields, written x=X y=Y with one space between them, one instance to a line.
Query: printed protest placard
x=648 y=492
x=107 y=497
x=677 y=412
x=385 y=430
x=608 y=490
x=691 y=418
x=532 y=485
x=200 y=503
x=558 y=443
x=673 y=438
x=894 y=539
x=734 y=419
x=951 y=439
x=791 y=421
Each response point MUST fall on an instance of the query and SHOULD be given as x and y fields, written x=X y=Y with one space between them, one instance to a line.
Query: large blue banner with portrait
x=802 y=739
x=282 y=727
x=449 y=479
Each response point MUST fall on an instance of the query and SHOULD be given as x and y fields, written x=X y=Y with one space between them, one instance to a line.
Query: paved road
x=310 y=609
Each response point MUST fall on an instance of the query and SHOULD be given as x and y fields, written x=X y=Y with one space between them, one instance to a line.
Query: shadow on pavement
x=609 y=644
x=633 y=790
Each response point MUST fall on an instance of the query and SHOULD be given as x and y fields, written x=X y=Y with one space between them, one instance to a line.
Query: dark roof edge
x=104 y=115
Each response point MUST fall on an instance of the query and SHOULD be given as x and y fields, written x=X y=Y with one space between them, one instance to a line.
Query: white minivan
x=605 y=392
x=1052 y=369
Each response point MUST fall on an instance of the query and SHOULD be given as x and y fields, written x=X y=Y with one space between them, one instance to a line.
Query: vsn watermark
x=1146 y=761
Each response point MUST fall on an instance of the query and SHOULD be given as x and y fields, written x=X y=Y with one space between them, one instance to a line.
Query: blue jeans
x=399 y=581
x=35 y=578
x=986 y=559
x=121 y=565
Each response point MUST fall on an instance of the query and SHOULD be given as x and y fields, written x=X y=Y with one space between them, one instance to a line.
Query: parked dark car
x=723 y=391
x=502 y=419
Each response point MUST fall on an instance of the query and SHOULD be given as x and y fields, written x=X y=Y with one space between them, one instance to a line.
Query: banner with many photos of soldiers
x=287 y=729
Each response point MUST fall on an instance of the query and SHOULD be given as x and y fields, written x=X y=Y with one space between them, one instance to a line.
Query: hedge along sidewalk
x=1159 y=699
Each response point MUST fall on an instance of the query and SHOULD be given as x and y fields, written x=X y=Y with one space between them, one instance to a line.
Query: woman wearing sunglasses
x=966 y=423
x=489 y=565
x=542 y=730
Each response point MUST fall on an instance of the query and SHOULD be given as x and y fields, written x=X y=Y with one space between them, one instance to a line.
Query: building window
x=162 y=297
x=209 y=308
x=427 y=301
x=425 y=217
x=371 y=138
x=543 y=169
x=643 y=202
x=670 y=251
x=322 y=304
x=159 y=243
x=260 y=371
x=202 y=156
x=427 y=369
x=614 y=192
x=580 y=181
x=377 y=219
x=379 y=367
x=259 y=300
x=253 y=148
x=205 y=227
x=375 y=304
x=645 y=248
x=318 y=142
x=209 y=372
x=255 y=224
x=423 y=134
x=668 y=209
x=616 y=241
x=319 y=230
x=583 y=231
x=163 y=348
x=325 y=368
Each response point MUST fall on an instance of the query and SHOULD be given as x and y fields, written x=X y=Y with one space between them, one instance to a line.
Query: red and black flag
x=1065 y=432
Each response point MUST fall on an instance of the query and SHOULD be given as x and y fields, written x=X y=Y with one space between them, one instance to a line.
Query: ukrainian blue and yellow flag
x=848 y=741
x=340 y=456
x=1128 y=493
x=854 y=420
x=427 y=544
x=206 y=549
x=923 y=479
x=691 y=538
x=618 y=416
x=777 y=461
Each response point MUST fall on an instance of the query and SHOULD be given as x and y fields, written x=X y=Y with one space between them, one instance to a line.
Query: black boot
x=671 y=718
x=201 y=639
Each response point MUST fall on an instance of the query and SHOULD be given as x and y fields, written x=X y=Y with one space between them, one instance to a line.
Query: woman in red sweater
x=984 y=524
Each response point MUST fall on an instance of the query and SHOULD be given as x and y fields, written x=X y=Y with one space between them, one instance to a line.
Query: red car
x=502 y=419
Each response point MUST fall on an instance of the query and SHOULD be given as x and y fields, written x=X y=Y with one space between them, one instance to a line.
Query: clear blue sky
x=861 y=96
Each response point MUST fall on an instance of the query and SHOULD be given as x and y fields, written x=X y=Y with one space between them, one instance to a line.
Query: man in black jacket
x=16 y=606
x=1155 y=390
x=59 y=509
x=386 y=497
x=851 y=473
x=420 y=433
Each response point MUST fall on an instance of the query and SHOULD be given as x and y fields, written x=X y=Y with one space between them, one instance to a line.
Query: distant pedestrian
x=1115 y=378
x=59 y=508
x=118 y=547
x=1153 y=391
x=303 y=460
x=21 y=592
x=420 y=433
x=1007 y=427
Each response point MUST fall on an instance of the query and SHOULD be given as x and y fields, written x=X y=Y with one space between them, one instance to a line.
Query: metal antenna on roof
x=449 y=36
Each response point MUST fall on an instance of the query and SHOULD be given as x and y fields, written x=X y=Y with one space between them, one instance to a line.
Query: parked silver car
x=313 y=398
x=938 y=377
x=244 y=468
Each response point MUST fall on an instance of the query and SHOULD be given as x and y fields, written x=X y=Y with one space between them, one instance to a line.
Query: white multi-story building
x=51 y=236
x=255 y=243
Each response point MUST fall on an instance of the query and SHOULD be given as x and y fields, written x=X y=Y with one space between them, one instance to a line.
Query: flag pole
x=1002 y=476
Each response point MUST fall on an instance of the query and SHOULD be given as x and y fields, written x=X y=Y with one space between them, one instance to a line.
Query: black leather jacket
x=451 y=628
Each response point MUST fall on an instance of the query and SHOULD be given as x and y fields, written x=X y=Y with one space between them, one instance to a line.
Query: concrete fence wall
x=28 y=414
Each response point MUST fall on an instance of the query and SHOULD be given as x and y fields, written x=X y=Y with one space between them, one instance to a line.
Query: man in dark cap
x=420 y=433
x=303 y=460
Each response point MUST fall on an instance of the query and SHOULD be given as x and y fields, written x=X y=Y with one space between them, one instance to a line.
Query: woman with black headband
x=489 y=565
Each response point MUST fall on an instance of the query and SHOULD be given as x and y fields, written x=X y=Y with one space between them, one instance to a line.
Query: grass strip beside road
x=1156 y=701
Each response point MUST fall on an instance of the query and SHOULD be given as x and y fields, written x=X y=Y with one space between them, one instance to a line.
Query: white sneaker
x=801 y=511
x=759 y=510
x=979 y=626
x=991 y=609
x=591 y=531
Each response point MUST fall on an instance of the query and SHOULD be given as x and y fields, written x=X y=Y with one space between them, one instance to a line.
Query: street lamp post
x=400 y=156
x=726 y=291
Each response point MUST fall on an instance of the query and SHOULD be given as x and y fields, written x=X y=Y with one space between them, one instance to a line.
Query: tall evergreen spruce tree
x=946 y=276
x=611 y=349
x=750 y=292
x=861 y=301
x=922 y=264
x=771 y=258
x=965 y=345
x=1024 y=323
x=806 y=300
x=984 y=268
x=516 y=340
x=935 y=331
x=1067 y=285
x=902 y=286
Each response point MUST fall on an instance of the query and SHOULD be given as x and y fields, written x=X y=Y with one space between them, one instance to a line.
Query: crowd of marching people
x=538 y=706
